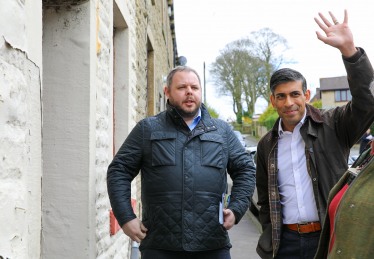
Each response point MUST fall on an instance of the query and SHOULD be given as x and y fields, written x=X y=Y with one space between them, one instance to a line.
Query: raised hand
x=338 y=35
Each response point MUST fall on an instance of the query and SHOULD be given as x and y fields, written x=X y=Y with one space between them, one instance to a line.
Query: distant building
x=317 y=96
x=334 y=91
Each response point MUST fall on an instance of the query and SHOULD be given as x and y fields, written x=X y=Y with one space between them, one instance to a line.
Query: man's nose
x=188 y=90
x=289 y=101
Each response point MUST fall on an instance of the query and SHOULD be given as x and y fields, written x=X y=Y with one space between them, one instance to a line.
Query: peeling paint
x=20 y=153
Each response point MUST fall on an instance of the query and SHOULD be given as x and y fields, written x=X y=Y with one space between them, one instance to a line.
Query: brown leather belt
x=303 y=228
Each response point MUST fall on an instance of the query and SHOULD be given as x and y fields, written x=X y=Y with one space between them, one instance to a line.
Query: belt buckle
x=298 y=229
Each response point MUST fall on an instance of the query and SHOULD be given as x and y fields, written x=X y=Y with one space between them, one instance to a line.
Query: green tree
x=317 y=104
x=266 y=114
x=213 y=112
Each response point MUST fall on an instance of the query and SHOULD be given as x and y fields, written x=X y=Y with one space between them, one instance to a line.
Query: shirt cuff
x=354 y=57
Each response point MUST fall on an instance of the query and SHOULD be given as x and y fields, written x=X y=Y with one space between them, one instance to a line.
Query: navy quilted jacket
x=183 y=176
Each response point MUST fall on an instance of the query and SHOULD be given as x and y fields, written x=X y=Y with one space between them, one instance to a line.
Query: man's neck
x=190 y=120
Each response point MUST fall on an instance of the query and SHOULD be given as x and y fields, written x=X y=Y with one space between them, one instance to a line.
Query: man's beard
x=184 y=113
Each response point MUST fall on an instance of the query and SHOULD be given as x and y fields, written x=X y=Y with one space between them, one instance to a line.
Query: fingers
x=333 y=17
x=321 y=25
x=345 y=16
x=325 y=20
x=226 y=225
x=321 y=37
x=138 y=236
x=142 y=227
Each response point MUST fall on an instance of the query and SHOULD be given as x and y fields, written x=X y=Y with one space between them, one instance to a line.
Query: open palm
x=338 y=35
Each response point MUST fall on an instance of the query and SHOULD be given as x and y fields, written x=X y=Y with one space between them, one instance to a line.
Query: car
x=252 y=152
x=240 y=137
x=254 y=208
x=351 y=160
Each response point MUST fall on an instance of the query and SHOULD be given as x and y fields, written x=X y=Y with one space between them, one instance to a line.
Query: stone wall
x=85 y=101
x=20 y=129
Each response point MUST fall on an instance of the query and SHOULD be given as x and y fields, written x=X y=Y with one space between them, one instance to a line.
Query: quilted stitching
x=181 y=201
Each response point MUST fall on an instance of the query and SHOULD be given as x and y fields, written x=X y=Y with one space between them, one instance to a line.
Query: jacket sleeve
x=123 y=169
x=242 y=172
x=262 y=189
x=353 y=119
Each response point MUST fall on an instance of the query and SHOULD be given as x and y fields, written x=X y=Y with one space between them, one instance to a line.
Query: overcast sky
x=203 y=27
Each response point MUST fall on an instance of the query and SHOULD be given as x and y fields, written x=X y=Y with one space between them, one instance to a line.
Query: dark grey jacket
x=183 y=177
x=328 y=136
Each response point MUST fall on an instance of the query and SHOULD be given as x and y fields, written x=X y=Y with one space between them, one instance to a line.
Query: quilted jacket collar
x=178 y=120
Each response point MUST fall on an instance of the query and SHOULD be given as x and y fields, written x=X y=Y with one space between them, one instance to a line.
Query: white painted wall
x=69 y=135
x=20 y=129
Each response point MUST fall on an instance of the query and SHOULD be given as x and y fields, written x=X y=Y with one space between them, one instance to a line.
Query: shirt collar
x=281 y=131
x=198 y=115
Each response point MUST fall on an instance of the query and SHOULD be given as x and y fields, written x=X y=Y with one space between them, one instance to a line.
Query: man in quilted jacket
x=183 y=155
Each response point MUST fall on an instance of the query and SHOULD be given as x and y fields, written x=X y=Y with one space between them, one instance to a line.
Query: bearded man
x=183 y=155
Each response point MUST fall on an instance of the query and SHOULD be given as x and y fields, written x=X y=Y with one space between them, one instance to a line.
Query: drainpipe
x=134 y=250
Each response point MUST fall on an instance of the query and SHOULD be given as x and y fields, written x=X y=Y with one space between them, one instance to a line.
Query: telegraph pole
x=204 y=86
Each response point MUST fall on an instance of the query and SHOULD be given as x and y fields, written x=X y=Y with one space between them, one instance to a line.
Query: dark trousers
x=222 y=253
x=298 y=246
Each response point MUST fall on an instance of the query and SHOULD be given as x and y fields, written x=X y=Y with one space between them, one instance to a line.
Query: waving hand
x=338 y=35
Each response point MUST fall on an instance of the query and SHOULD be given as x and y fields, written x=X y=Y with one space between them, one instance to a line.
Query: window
x=337 y=96
x=342 y=96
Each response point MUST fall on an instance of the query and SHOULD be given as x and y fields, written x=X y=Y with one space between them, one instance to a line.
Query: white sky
x=203 y=27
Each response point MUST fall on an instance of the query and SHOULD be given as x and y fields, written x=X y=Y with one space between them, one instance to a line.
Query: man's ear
x=307 y=96
x=167 y=91
x=272 y=99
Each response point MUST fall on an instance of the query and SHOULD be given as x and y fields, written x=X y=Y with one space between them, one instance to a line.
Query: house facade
x=75 y=78
x=334 y=91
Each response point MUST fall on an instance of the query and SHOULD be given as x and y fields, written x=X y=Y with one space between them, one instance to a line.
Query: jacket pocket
x=265 y=241
x=163 y=148
x=211 y=150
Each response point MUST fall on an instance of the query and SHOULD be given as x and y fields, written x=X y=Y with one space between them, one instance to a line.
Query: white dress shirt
x=295 y=184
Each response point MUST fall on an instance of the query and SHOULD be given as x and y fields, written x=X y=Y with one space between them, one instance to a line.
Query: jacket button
x=186 y=177
x=338 y=252
x=273 y=193
x=314 y=179
x=272 y=165
x=352 y=206
x=185 y=148
x=214 y=126
x=311 y=150
x=208 y=127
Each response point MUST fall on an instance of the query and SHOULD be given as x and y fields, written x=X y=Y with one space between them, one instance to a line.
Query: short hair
x=286 y=75
x=180 y=69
